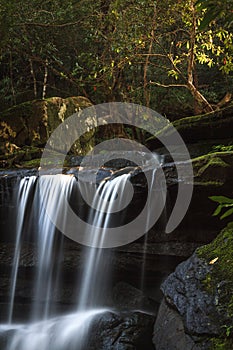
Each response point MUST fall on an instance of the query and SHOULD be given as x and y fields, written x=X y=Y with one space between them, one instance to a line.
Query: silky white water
x=58 y=333
x=50 y=192
x=25 y=187
x=96 y=272
x=156 y=159
x=44 y=331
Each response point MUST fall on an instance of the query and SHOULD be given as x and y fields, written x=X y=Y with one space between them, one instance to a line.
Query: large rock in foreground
x=197 y=311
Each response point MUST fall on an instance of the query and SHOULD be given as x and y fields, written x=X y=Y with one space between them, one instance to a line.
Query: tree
x=215 y=10
x=119 y=50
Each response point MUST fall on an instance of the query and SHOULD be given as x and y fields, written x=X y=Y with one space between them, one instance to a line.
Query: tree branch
x=168 y=85
x=46 y=25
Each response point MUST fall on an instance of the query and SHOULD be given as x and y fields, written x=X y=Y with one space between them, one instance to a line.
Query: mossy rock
x=219 y=282
x=28 y=157
x=213 y=168
x=210 y=126
x=198 y=300
x=31 y=123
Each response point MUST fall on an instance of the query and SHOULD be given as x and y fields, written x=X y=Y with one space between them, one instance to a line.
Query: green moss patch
x=214 y=167
x=211 y=126
x=219 y=282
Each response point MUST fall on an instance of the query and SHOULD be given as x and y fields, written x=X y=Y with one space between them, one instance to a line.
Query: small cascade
x=50 y=192
x=97 y=259
x=159 y=160
x=24 y=190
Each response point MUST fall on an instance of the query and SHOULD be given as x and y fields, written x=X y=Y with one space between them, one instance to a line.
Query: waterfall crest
x=45 y=330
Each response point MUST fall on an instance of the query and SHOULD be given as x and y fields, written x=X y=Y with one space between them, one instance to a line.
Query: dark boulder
x=197 y=308
x=121 y=331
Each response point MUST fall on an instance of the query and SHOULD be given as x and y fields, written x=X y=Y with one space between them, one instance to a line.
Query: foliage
x=113 y=51
x=222 y=148
x=215 y=9
x=224 y=203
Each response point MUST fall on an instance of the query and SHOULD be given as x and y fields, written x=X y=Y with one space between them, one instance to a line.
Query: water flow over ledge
x=44 y=332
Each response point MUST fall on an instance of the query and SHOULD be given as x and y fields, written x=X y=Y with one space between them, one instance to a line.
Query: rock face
x=121 y=331
x=25 y=128
x=169 y=331
x=212 y=126
x=197 y=308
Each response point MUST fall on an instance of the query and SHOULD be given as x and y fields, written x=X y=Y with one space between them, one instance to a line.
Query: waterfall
x=58 y=333
x=97 y=259
x=46 y=330
x=24 y=190
x=50 y=193
x=159 y=160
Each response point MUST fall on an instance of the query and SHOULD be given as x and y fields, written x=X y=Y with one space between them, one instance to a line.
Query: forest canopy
x=173 y=56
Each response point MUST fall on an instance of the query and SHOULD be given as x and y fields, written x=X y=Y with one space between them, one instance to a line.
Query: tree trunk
x=33 y=78
x=45 y=79
x=198 y=97
x=204 y=106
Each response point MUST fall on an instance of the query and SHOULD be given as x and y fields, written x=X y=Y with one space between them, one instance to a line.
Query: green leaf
x=217 y=211
x=221 y=199
x=227 y=213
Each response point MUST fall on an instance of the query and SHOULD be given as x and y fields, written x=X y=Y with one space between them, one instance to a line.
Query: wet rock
x=107 y=330
x=127 y=297
x=4 y=336
x=169 y=331
x=121 y=331
x=197 y=306
x=183 y=290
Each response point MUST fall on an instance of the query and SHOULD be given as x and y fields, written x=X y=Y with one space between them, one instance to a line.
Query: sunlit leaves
x=173 y=73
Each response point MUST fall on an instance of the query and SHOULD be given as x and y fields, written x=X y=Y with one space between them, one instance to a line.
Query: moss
x=219 y=282
x=208 y=119
x=214 y=168
x=211 y=126
x=217 y=159
x=34 y=163
x=221 y=247
x=221 y=344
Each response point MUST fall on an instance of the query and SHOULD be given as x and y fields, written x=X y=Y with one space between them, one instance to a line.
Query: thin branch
x=152 y=54
x=46 y=25
x=147 y=61
x=169 y=57
x=168 y=85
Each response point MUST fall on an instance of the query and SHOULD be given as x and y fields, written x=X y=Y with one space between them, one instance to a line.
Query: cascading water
x=97 y=259
x=50 y=192
x=24 y=190
x=44 y=331
x=158 y=160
